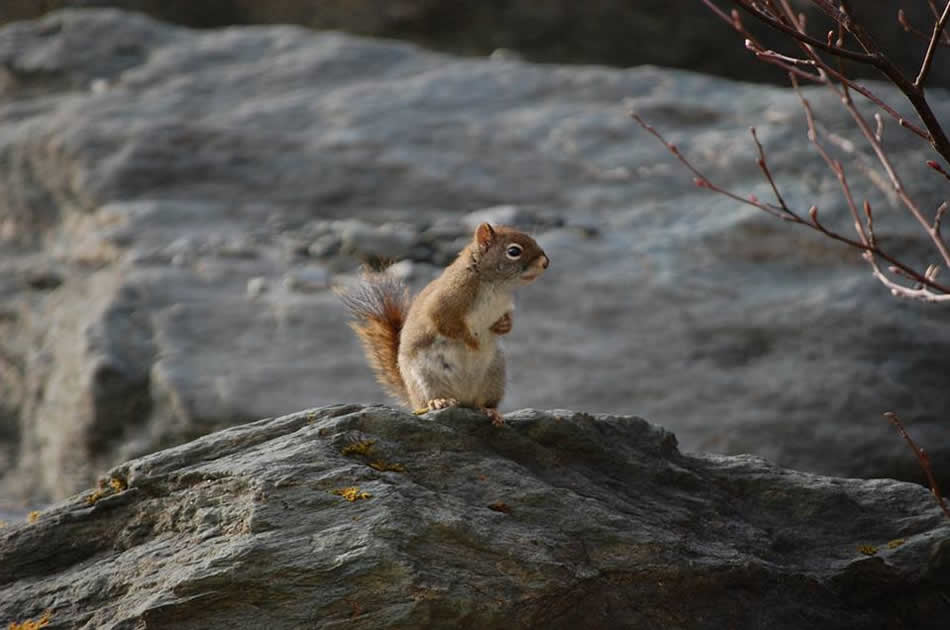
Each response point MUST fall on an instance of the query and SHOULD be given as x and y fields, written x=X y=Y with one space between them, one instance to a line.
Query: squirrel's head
x=504 y=254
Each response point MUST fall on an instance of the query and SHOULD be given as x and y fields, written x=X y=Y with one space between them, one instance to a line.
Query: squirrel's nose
x=545 y=261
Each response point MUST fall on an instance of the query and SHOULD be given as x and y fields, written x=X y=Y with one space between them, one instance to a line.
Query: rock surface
x=681 y=33
x=173 y=205
x=371 y=518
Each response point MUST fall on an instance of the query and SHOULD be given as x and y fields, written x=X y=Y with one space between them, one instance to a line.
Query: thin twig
x=935 y=165
x=931 y=47
x=910 y=28
x=833 y=164
x=787 y=214
x=909 y=203
x=787 y=63
x=779 y=15
x=924 y=460
x=874 y=58
x=763 y=164
x=876 y=145
x=941 y=209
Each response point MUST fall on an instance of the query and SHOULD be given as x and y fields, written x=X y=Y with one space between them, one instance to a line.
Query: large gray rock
x=174 y=203
x=558 y=520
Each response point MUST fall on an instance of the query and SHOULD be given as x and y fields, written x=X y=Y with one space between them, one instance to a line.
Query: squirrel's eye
x=514 y=251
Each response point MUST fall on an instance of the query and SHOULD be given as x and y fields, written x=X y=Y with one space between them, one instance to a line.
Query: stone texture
x=558 y=520
x=159 y=185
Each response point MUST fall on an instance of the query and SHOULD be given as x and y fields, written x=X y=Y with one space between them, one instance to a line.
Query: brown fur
x=386 y=319
x=379 y=305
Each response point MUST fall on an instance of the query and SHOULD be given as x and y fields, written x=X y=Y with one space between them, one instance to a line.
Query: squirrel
x=441 y=348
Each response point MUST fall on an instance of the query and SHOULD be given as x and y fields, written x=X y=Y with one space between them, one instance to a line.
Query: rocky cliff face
x=371 y=518
x=174 y=205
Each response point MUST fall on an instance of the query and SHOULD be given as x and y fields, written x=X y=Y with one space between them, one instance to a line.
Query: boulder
x=373 y=518
x=175 y=204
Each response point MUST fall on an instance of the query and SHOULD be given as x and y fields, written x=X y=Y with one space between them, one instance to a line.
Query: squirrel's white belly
x=469 y=368
x=450 y=369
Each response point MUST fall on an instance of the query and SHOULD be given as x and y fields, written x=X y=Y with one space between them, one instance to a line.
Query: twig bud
x=700 y=182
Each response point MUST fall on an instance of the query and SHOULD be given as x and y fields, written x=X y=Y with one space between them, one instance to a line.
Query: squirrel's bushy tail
x=378 y=305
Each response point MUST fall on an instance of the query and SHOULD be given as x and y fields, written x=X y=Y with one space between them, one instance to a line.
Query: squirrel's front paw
x=502 y=326
x=495 y=416
x=441 y=403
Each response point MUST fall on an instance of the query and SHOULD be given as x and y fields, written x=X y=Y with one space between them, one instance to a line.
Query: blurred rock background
x=175 y=205
x=673 y=33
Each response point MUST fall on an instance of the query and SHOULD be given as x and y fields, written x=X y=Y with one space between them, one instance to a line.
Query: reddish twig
x=782 y=211
x=922 y=458
x=936 y=166
x=931 y=47
x=783 y=19
x=909 y=28
x=788 y=64
x=811 y=66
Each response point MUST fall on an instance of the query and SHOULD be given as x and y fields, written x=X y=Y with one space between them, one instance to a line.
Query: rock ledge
x=367 y=517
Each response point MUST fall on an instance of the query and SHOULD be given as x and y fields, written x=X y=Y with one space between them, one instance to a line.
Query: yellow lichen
x=3 y=523
x=95 y=495
x=868 y=550
x=352 y=493
x=363 y=447
x=33 y=516
x=894 y=544
x=115 y=485
x=30 y=624
x=384 y=466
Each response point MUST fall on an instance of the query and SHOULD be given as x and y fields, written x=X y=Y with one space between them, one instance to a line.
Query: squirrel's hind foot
x=440 y=403
x=495 y=416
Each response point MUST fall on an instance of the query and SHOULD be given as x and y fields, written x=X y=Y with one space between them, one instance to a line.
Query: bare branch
x=909 y=203
x=785 y=22
x=763 y=164
x=811 y=66
x=787 y=214
x=935 y=165
x=922 y=458
x=909 y=28
x=941 y=209
x=931 y=47
x=703 y=182
x=934 y=133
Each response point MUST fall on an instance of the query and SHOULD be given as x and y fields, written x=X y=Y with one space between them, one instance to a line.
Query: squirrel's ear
x=484 y=235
